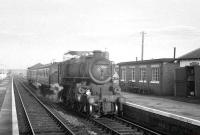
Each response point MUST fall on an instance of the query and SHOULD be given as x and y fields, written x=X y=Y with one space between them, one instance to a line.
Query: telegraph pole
x=142 y=45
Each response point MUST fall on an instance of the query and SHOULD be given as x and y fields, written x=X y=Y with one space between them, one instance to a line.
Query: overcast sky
x=33 y=31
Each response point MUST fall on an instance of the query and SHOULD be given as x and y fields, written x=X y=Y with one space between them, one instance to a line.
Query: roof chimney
x=174 y=52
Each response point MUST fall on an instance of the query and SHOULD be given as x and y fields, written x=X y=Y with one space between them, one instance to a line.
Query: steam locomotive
x=84 y=82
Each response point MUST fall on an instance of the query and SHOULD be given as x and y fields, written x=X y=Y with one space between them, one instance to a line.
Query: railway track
x=23 y=122
x=113 y=124
x=118 y=126
x=90 y=128
x=78 y=127
x=124 y=127
x=37 y=117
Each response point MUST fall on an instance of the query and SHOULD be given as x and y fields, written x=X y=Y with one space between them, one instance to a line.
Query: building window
x=123 y=72
x=142 y=74
x=133 y=74
x=155 y=72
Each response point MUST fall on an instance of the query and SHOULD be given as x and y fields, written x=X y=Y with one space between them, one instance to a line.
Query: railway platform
x=8 y=118
x=162 y=104
x=168 y=112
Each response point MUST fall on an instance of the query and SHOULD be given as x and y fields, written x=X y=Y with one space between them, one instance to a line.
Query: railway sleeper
x=48 y=130
x=44 y=124
x=136 y=133
x=126 y=131
x=39 y=114
x=50 y=121
x=123 y=128
x=115 y=125
x=39 y=126
x=52 y=134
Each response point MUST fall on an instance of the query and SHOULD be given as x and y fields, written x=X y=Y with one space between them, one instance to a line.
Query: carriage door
x=180 y=82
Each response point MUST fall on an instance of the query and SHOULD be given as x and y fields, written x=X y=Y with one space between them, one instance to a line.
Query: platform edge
x=15 y=128
x=167 y=114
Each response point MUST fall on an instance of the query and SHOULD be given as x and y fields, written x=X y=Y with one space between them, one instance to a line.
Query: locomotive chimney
x=106 y=55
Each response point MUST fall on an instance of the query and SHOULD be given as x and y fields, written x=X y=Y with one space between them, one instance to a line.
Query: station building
x=155 y=76
x=187 y=77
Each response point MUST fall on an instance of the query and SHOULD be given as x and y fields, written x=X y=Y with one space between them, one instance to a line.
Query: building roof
x=195 y=54
x=147 y=61
x=36 y=65
x=39 y=65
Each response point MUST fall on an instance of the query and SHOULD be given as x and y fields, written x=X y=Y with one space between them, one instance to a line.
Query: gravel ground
x=81 y=125
x=84 y=126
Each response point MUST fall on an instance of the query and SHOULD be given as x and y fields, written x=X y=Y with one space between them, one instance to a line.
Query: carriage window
x=43 y=73
x=47 y=72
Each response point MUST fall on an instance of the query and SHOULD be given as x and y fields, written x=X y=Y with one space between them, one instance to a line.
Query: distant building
x=21 y=72
x=3 y=72
x=154 y=76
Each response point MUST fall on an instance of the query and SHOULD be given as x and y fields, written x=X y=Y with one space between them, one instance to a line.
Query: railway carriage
x=84 y=82
x=43 y=75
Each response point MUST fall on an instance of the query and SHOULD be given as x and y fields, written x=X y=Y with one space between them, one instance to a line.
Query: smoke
x=38 y=92
x=53 y=94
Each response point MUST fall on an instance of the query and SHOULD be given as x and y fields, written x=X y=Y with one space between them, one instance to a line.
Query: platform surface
x=6 y=110
x=187 y=112
x=2 y=94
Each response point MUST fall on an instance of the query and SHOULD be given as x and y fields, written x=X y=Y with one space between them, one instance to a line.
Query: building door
x=190 y=80
x=180 y=82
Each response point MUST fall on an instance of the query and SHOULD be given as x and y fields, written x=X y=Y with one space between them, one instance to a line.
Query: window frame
x=132 y=68
x=142 y=74
x=155 y=75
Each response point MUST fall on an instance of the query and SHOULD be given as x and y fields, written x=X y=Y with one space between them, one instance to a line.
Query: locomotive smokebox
x=93 y=67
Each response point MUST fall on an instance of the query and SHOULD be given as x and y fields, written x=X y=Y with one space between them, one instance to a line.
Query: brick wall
x=165 y=86
x=168 y=78
x=153 y=88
